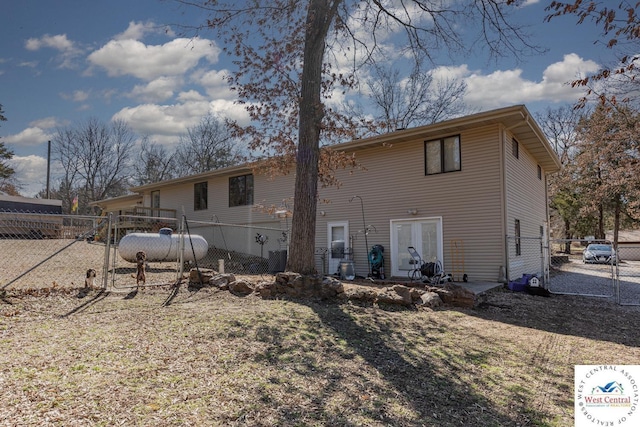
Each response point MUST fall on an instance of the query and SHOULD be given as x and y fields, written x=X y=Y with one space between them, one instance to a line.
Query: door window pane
x=337 y=242
x=429 y=232
x=403 y=233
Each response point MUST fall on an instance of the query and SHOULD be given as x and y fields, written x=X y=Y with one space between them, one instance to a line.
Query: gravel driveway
x=575 y=277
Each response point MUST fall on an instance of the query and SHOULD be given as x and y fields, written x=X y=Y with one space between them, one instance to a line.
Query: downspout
x=503 y=207
x=546 y=238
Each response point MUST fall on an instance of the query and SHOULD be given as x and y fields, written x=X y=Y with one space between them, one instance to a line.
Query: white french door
x=338 y=238
x=424 y=234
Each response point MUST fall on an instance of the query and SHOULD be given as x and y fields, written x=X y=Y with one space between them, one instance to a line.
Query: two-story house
x=454 y=190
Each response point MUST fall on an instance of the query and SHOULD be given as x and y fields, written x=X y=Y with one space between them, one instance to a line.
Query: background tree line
x=598 y=189
x=95 y=160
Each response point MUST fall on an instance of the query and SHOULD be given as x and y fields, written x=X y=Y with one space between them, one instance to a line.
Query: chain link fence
x=525 y=256
x=49 y=250
x=45 y=250
x=628 y=273
x=241 y=249
x=592 y=268
x=576 y=268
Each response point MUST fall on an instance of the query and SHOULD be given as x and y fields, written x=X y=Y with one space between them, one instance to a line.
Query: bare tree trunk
x=567 y=235
x=616 y=221
x=303 y=227
x=601 y=234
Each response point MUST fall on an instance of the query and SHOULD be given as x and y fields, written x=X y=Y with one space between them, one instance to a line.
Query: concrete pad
x=479 y=287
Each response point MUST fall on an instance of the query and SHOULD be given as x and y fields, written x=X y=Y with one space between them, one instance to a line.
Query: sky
x=65 y=61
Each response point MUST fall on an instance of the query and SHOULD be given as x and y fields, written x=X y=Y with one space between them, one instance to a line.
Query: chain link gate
x=48 y=251
x=162 y=241
x=575 y=270
x=628 y=273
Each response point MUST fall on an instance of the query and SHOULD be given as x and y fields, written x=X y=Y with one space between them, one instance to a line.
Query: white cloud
x=509 y=87
x=229 y=109
x=69 y=51
x=29 y=64
x=163 y=120
x=191 y=95
x=58 y=42
x=157 y=90
x=164 y=123
x=137 y=30
x=28 y=137
x=76 y=96
x=46 y=123
x=214 y=83
x=148 y=62
x=31 y=173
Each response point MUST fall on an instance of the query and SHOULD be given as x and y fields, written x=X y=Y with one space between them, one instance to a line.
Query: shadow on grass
x=102 y=294
x=384 y=373
x=587 y=317
x=440 y=397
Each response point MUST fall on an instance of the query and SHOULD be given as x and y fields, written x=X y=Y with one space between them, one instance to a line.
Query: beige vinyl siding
x=477 y=205
x=525 y=200
x=267 y=191
x=469 y=201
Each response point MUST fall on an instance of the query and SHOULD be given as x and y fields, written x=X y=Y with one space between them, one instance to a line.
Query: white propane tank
x=163 y=246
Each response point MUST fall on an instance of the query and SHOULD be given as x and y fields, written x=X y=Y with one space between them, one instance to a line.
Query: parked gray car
x=599 y=253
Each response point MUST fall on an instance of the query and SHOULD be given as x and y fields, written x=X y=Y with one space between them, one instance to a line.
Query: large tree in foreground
x=292 y=56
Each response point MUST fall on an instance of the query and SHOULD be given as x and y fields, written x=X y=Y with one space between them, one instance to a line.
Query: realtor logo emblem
x=607 y=395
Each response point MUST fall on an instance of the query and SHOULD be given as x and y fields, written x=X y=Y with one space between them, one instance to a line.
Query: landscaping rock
x=430 y=300
x=222 y=281
x=455 y=295
x=241 y=287
x=390 y=296
x=404 y=292
x=202 y=275
x=363 y=294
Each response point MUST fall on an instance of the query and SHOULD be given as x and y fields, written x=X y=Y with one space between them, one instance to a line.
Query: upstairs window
x=539 y=173
x=241 y=190
x=442 y=155
x=200 y=196
x=515 y=148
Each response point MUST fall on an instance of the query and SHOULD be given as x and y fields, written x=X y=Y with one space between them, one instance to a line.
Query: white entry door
x=423 y=234
x=338 y=238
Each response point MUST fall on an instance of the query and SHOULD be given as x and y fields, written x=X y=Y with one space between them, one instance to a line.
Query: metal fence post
x=107 y=249
x=181 y=255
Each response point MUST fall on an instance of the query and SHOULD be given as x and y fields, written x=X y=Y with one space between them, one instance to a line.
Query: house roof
x=516 y=119
x=126 y=198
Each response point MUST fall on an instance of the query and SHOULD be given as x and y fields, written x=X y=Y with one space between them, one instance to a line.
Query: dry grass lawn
x=209 y=358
